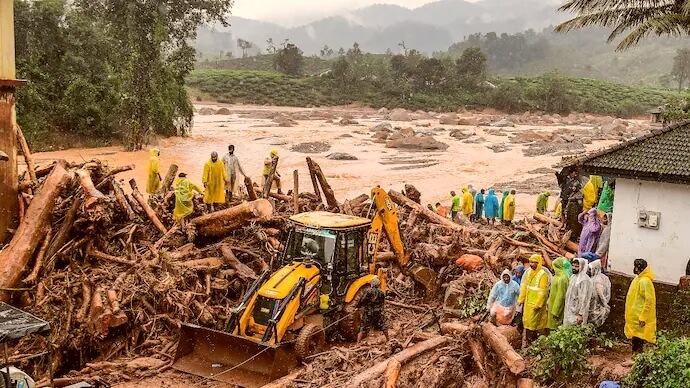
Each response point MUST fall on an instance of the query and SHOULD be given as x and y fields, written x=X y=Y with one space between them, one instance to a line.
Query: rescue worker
x=591 y=192
x=214 y=180
x=455 y=205
x=579 y=295
x=518 y=272
x=232 y=165
x=372 y=301
x=479 y=205
x=591 y=229
x=153 y=180
x=604 y=240
x=509 y=208
x=501 y=206
x=559 y=287
x=558 y=211
x=502 y=299
x=467 y=202
x=184 y=198
x=606 y=200
x=491 y=207
x=543 y=202
x=573 y=206
x=599 y=308
x=268 y=163
x=533 y=293
x=441 y=210
x=640 y=307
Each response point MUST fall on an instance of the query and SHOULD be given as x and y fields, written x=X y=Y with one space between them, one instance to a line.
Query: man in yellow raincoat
x=509 y=208
x=640 y=307
x=467 y=202
x=533 y=294
x=268 y=163
x=153 y=180
x=214 y=180
x=184 y=198
x=591 y=192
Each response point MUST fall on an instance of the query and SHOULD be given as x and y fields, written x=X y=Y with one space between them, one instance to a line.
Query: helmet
x=309 y=248
x=375 y=282
x=274 y=152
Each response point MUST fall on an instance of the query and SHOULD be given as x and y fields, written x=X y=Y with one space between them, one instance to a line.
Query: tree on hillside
x=290 y=60
x=245 y=46
x=681 y=67
x=270 y=47
x=341 y=52
x=638 y=19
x=326 y=52
x=340 y=71
x=355 y=51
x=472 y=68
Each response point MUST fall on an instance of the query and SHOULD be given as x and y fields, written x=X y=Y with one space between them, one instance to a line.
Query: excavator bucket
x=228 y=358
x=424 y=276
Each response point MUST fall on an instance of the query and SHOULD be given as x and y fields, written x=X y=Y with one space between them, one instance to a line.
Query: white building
x=651 y=208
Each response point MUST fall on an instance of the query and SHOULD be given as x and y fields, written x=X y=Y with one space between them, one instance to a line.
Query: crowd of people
x=477 y=206
x=219 y=180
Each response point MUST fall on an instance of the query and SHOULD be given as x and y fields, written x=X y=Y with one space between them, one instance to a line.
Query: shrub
x=666 y=365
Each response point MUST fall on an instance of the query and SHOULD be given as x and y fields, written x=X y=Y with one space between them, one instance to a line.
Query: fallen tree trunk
x=295 y=192
x=499 y=343
x=546 y=220
x=249 y=185
x=314 y=179
x=430 y=216
x=525 y=383
x=456 y=328
x=65 y=231
x=121 y=199
x=147 y=209
x=30 y=166
x=169 y=178
x=39 y=258
x=207 y=264
x=327 y=190
x=241 y=270
x=392 y=373
x=225 y=221
x=402 y=357
x=478 y=354
x=14 y=258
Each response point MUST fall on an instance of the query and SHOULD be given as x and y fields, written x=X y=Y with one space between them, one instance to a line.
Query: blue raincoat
x=491 y=205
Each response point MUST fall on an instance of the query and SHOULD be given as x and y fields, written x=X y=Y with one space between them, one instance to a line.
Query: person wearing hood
x=472 y=190
x=509 y=208
x=543 y=202
x=599 y=308
x=491 y=207
x=153 y=172
x=591 y=229
x=640 y=307
x=479 y=205
x=604 y=240
x=214 y=180
x=501 y=206
x=579 y=295
x=502 y=299
x=184 y=198
x=533 y=294
x=232 y=165
x=518 y=272
x=559 y=287
x=372 y=301
x=568 y=268
x=467 y=202
x=606 y=201
x=591 y=191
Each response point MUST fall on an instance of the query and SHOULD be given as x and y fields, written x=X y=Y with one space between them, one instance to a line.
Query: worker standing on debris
x=502 y=299
x=543 y=202
x=479 y=206
x=214 y=180
x=559 y=287
x=442 y=210
x=467 y=203
x=268 y=163
x=501 y=206
x=372 y=301
x=591 y=192
x=491 y=207
x=232 y=165
x=472 y=190
x=591 y=230
x=184 y=198
x=509 y=208
x=599 y=308
x=153 y=181
x=579 y=295
x=640 y=307
x=455 y=206
x=533 y=293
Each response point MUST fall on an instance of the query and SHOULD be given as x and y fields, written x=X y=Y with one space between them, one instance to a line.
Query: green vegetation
x=266 y=62
x=562 y=356
x=665 y=365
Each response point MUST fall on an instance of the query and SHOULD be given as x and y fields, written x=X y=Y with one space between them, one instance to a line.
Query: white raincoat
x=578 y=297
x=599 y=308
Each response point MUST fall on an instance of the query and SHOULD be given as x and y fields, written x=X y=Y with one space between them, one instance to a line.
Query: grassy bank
x=548 y=92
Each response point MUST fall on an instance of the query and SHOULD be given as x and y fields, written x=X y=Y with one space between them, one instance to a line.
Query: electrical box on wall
x=648 y=219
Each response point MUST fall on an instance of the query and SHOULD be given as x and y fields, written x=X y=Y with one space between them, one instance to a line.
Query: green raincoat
x=559 y=287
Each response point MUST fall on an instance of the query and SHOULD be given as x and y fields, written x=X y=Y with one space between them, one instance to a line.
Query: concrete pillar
x=8 y=140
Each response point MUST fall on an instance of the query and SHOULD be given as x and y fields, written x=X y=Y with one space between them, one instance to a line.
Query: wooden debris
x=499 y=343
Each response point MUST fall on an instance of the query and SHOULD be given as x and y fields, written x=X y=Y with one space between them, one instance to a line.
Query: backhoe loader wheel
x=352 y=317
x=310 y=340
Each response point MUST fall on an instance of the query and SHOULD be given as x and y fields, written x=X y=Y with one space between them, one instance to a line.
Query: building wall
x=7 y=39
x=667 y=249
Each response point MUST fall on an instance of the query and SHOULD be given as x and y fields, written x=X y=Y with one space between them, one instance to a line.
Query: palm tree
x=634 y=19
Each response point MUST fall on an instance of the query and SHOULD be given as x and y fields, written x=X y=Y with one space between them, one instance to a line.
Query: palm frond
x=675 y=25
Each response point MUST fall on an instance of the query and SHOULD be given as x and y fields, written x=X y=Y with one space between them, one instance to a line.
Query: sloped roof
x=662 y=156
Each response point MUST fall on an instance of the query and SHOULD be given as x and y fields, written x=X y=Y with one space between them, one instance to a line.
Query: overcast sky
x=296 y=11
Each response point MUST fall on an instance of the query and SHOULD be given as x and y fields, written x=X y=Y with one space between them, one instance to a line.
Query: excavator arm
x=386 y=221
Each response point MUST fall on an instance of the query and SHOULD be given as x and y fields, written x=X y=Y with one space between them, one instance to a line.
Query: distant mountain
x=379 y=27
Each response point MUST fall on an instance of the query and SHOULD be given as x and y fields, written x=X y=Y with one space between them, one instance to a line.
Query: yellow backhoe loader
x=282 y=319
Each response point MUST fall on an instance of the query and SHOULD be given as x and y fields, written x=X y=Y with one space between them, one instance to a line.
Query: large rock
x=380 y=135
x=347 y=121
x=383 y=111
x=461 y=134
x=400 y=115
x=426 y=143
x=387 y=127
x=205 y=111
x=613 y=128
x=341 y=156
x=502 y=124
x=223 y=111
x=467 y=121
x=449 y=119
x=284 y=121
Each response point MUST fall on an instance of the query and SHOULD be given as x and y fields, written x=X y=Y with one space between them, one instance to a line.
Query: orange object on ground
x=470 y=263
x=442 y=211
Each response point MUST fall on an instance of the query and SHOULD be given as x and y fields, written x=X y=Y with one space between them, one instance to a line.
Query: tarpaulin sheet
x=15 y=323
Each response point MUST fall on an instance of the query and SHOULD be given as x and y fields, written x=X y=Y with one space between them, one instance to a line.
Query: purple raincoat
x=591 y=230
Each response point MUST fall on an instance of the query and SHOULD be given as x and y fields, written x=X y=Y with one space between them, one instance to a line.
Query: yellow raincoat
x=153 y=181
x=559 y=210
x=640 y=306
x=184 y=196
x=533 y=293
x=214 y=179
x=509 y=208
x=590 y=191
x=467 y=202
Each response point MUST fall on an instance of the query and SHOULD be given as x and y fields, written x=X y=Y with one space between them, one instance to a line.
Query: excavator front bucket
x=426 y=277
x=232 y=359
